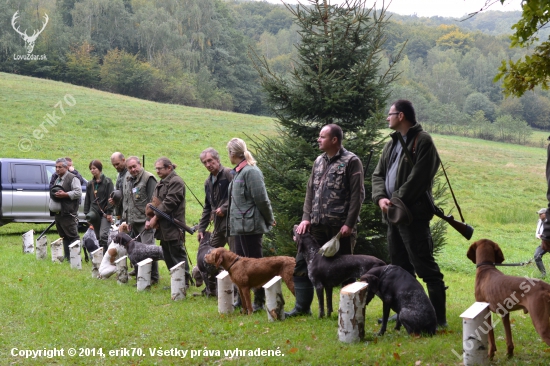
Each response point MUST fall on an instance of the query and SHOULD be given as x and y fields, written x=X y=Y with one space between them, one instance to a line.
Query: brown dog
x=508 y=293
x=249 y=273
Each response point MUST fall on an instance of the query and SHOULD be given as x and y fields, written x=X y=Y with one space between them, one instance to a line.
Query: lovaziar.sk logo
x=29 y=40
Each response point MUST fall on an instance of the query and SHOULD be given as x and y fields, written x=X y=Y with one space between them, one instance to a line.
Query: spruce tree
x=337 y=78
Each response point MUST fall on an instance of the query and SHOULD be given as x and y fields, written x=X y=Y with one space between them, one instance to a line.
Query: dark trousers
x=146 y=237
x=249 y=245
x=101 y=229
x=218 y=239
x=323 y=234
x=411 y=247
x=67 y=228
x=174 y=253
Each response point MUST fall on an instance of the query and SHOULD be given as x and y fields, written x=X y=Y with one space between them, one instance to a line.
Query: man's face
x=542 y=216
x=325 y=140
x=394 y=118
x=60 y=169
x=118 y=163
x=134 y=168
x=211 y=164
x=162 y=171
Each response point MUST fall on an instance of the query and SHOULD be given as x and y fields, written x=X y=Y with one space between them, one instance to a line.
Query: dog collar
x=485 y=264
x=231 y=265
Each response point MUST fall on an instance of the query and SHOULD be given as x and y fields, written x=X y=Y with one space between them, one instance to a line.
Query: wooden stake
x=42 y=248
x=76 y=259
x=351 y=314
x=225 y=293
x=476 y=323
x=122 y=270
x=28 y=242
x=57 y=251
x=144 y=274
x=97 y=257
x=274 y=300
x=177 y=275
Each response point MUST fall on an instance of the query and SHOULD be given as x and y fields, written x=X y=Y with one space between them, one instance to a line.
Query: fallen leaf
x=241 y=324
x=313 y=336
x=288 y=341
x=308 y=348
x=182 y=343
x=293 y=350
x=418 y=363
x=396 y=356
x=20 y=279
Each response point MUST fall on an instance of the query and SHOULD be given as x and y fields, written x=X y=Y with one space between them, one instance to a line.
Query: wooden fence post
x=76 y=259
x=177 y=282
x=57 y=251
x=274 y=300
x=28 y=242
x=351 y=315
x=122 y=270
x=475 y=329
x=42 y=248
x=97 y=257
x=144 y=274
x=225 y=293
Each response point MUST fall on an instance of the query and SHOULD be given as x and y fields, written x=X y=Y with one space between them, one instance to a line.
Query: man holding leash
x=409 y=238
x=138 y=192
x=334 y=194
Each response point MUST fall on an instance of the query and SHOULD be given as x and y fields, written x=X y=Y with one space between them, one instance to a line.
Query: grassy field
x=45 y=306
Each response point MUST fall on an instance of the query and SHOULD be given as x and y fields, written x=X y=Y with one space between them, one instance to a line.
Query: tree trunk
x=42 y=248
x=57 y=251
x=144 y=274
x=122 y=270
x=351 y=315
x=76 y=258
x=177 y=274
x=97 y=257
x=274 y=300
x=28 y=242
x=225 y=293
x=475 y=328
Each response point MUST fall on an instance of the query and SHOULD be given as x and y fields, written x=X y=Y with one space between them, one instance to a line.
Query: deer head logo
x=29 y=40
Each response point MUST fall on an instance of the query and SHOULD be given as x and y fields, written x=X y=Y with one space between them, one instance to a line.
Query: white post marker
x=144 y=274
x=225 y=293
x=351 y=315
x=177 y=282
x=57 y=251
x=122 y=270
x=76 y=259
x=42 y=247
x=97 y=257
x=475 y=328
x=274 y=300
x=28 y=242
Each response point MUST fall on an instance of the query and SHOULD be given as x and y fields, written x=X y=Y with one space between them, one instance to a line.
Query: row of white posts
x=351 y=313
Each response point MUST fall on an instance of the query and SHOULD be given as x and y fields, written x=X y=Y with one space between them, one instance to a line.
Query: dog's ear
x=218 y=258
x=499 y=256
x=472 y=252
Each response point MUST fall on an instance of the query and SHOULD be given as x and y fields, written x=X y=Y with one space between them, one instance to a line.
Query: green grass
x=45 y=305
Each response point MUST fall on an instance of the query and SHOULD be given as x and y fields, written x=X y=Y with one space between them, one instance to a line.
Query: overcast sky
x=445 y=8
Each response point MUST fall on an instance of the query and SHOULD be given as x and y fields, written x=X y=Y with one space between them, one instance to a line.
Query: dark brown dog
x=508 y=293
x=249 y=273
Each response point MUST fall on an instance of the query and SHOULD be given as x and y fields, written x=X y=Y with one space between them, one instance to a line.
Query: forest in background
x=196 y=53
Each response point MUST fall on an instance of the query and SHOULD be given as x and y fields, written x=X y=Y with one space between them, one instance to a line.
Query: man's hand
x=61 y=194
x=384 y=204
x=219 y=212
x=345 y=231
x=200 y=236
x=151 y=223
x=545 y=245
x=109 y=218
x=303 y=227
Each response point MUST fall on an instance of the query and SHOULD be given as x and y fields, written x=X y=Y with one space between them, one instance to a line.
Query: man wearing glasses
x=410 y=244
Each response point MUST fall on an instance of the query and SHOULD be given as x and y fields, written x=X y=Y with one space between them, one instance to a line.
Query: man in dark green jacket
x=410 y=245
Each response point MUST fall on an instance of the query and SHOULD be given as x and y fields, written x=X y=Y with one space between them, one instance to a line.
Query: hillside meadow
x=45 y=306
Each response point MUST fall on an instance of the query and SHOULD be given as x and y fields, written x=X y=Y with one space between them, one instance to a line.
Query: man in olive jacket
x=170 y=191
x=410 y=245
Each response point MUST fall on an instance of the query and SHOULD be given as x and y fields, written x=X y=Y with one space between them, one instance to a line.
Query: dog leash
x=505 y=264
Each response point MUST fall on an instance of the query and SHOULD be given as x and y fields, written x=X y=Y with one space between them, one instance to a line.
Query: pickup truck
x=25 y=191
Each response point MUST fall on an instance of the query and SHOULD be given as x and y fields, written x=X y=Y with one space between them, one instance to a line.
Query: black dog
x=328 y=272
x=138 y=251
x=402 y=293
x=208 y=272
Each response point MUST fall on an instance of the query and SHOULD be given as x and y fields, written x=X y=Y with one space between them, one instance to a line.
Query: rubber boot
x=540 y=266
x=304 y=296
x=438 y=297
x=259 y=299
x=66 y=250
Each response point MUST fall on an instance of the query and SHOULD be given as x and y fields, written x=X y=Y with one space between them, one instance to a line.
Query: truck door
x=29 y=190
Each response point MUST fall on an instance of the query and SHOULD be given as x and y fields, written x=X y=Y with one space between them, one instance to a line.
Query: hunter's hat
x=92 y=216
x=541 y=211
x=116 y=196
x=54 y=190
x=398 y=213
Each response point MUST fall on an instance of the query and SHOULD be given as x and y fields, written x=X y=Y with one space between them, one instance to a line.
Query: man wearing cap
x=334 y=194
x=138 y=192
x=119 y=163
x=409 y=239
x=68 y=191
x=539 y=252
